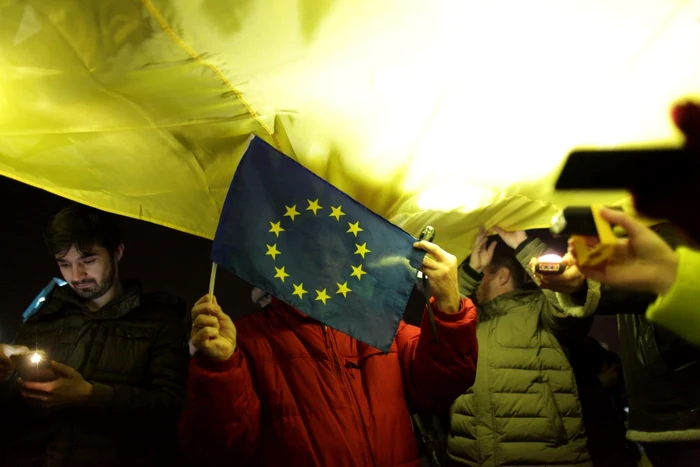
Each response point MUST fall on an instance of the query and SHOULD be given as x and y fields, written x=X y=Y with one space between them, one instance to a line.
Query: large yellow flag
x=449 y=112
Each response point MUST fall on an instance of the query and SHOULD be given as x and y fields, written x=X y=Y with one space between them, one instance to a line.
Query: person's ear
x=119 y=252
x=503 y=276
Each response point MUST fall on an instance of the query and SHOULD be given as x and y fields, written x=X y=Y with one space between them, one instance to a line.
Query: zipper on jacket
x=357 y=415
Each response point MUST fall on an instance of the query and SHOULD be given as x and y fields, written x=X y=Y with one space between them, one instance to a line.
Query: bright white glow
x=35 y=358
x=550 y=259
x=42 y=299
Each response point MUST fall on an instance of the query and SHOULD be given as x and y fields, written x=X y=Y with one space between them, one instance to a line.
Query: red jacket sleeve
x=222 y=419
x=436 y=373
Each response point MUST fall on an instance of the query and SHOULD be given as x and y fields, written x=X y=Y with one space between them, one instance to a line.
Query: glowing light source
x=550 y=259
x=35 y=358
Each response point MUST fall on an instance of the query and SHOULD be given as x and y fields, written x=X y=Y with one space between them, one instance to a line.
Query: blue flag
x=294 y=235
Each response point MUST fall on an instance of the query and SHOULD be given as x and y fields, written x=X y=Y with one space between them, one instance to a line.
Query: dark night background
x=163 y=259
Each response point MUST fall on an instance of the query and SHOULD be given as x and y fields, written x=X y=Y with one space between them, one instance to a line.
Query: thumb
x=632 y=226
x=593 y=273
x=19 y=349
x=63 y=370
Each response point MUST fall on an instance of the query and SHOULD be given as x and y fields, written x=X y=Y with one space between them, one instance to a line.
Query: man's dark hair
x=504 y=257
x=83 y=227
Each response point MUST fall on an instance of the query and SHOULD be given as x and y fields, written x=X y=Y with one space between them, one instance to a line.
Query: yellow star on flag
x=357 y=272
x=281 y=274
x=299 y=290
x=362 y=249
x=337 y=212
x=292 y=212
x=344 y=289
x=313 y=206
x=272 y=251
x=276 y=228
x=354 y=228
x=322 y=296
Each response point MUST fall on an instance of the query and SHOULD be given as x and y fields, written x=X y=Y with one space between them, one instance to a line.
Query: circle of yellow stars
x=353 y=228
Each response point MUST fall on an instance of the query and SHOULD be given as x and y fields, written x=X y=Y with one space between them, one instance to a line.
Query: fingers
x=440 y=258
x=568 y=259
x=63 y=370
x=33 y=386
x=35 y=396
x=437 y=252
x=480 y=238
x=205 y=299
x=492 y=248
x=429 y=264
x=206 y=308
x=632 y=226
x=202 y=337
x=203 y=321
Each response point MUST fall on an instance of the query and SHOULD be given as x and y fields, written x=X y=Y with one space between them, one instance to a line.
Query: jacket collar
x=64 y=298
x=503 y=303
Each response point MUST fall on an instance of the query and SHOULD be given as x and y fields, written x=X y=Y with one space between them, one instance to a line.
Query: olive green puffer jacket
x=523 y=409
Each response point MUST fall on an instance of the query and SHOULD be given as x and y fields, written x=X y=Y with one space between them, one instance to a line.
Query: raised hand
x=6 y=351
x=568 y=282
x=512 y=239
x=441 y=268
x=642 y=262
x=481 y=254
x=68 y=389
x=213 y=332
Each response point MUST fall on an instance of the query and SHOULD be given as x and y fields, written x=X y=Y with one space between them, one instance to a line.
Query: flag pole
x=212 y=281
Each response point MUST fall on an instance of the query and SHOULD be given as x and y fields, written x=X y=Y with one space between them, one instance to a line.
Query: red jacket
x=297 y=393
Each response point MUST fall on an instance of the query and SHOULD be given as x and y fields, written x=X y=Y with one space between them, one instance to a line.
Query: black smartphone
x=428 y=234
x=33 y=366
x=631 y=169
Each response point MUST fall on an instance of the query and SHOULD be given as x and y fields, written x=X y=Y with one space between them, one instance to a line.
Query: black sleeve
x=623 y=302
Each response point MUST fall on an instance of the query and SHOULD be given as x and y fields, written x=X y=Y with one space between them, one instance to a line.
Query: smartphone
x=33 y=366
x=550 y=265
x=428 y=234
x=632 y=169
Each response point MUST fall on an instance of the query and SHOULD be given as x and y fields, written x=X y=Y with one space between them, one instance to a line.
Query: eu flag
x=294 y=235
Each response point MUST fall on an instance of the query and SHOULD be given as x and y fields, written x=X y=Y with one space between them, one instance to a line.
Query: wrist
x=473 y=267
x=666 y=276
x=518 y=242
x=449 y=304
x=218 y=357
x=85 y=393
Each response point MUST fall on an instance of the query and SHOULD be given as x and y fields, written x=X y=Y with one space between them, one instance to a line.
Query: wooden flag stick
x=212 y=281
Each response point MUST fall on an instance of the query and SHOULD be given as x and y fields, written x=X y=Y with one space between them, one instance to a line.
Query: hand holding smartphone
x=33 y=366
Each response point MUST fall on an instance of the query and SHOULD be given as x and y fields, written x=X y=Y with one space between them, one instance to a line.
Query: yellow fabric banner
x=445 y=112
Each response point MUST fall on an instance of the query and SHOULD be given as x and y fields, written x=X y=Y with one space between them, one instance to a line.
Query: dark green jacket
x=523 y=408
x=134 y=352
